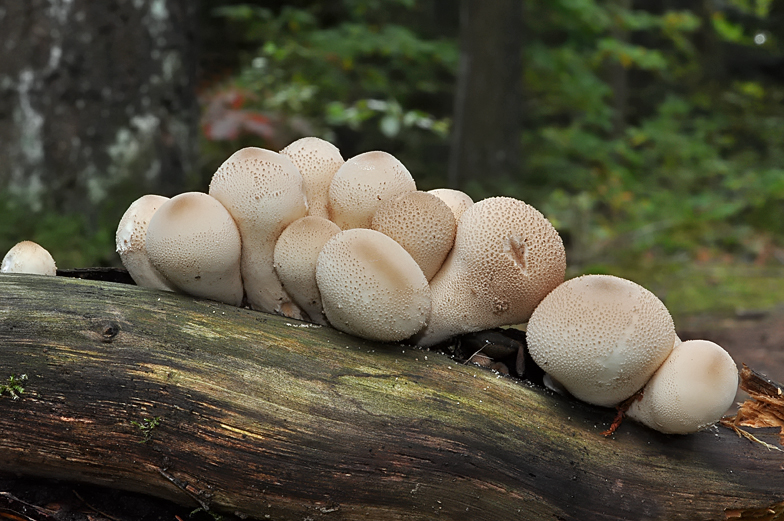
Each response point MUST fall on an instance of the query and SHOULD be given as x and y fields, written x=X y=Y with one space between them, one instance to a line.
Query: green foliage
x=147 y=426
x=347 y=67
x=14 y=387
x=393 y=117
x=678 y=160
x=71 y=240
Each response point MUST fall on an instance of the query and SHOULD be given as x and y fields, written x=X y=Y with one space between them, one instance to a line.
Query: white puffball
x=691 y=390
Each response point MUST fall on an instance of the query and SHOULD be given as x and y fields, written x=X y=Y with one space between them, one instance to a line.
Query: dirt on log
x=243 y=412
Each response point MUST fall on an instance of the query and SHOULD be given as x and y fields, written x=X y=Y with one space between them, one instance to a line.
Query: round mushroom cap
x=422 y=224
x=193 y=241
x=601 y=337
x=296 y=253
x=457 y=201
x=371 y=287
x=263 y=191
x=131 y=239
x=691 y=390
x=362 y=184
x=506 y=258
x=317 y=160
x=30 y=258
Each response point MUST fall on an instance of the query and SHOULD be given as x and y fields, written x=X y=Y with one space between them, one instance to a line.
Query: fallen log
x=242 y=412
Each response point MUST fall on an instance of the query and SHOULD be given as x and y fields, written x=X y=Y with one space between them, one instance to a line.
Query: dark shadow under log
x=267 y=416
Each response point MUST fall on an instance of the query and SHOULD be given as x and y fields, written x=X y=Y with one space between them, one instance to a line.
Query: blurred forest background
x=650 y=132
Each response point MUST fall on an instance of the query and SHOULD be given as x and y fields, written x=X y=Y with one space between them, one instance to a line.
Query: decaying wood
x=240 y=411
x=765 y=408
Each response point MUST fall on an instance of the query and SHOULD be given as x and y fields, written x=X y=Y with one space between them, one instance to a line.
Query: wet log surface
x=243 y=412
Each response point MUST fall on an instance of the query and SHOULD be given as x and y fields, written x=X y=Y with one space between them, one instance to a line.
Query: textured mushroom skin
x=28 y=257
x=193 y=241
x=422 y=224
x=296 y=253
x=691 y=390
x=371 y=287
x=362 y=184
x=130 y=240
x=601 y=337
x=317 y=161
x=507 y=256
x=263 y=191
x=456 y=200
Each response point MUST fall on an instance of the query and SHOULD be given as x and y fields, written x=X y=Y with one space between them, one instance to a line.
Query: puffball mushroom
x=601 y=337
x=193 y=241
x=371 y=287
x=422 y=224
x=131 y=239
x=263 y=191
x=506 y=258
x=691 y=390
x=362 y=184
x=456 y=200
x=317 y=161
x=30 y=258
x=296 y=253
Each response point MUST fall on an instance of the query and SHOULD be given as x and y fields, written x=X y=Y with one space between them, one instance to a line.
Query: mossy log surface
x=277 y=419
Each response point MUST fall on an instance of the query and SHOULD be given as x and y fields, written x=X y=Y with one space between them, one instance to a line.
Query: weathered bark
x=488 y=106
x=94 y=94
x=268 y=416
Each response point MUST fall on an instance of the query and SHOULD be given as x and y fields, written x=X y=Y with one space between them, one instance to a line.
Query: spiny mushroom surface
x=28 y=257
x=456 y=200
x=506 y=258
x=371 y=287
x=691 y=390
x=362 y=184
x=193 y=241
x=263 y=191
x=317 y=161
x=601 y=337
x=296 y=253
x=131 y=239
x=422 y=224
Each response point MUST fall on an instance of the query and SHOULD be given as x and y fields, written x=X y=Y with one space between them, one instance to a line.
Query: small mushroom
x=601 y=337
x=371 y=287
x=456 y=200
x=28 y=257
x=422 y=224
x=131 y=243
x=296 y=253
x=506 y=258
x=317 y=160
x=691 y=390
x=193 y=241
x=362 y=184
x=263 y=191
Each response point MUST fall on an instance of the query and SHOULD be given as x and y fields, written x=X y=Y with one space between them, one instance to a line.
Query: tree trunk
x=486 y=136
x=618 y=77
x=95 y=94
x=241 y=411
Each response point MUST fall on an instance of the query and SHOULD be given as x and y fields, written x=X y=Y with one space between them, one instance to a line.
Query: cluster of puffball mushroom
x=351 y=244
x=354 y=245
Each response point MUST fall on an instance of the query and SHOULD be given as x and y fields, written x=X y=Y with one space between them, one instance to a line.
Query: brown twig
x=187 y=488
x=621 y=409
x=88 y=505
